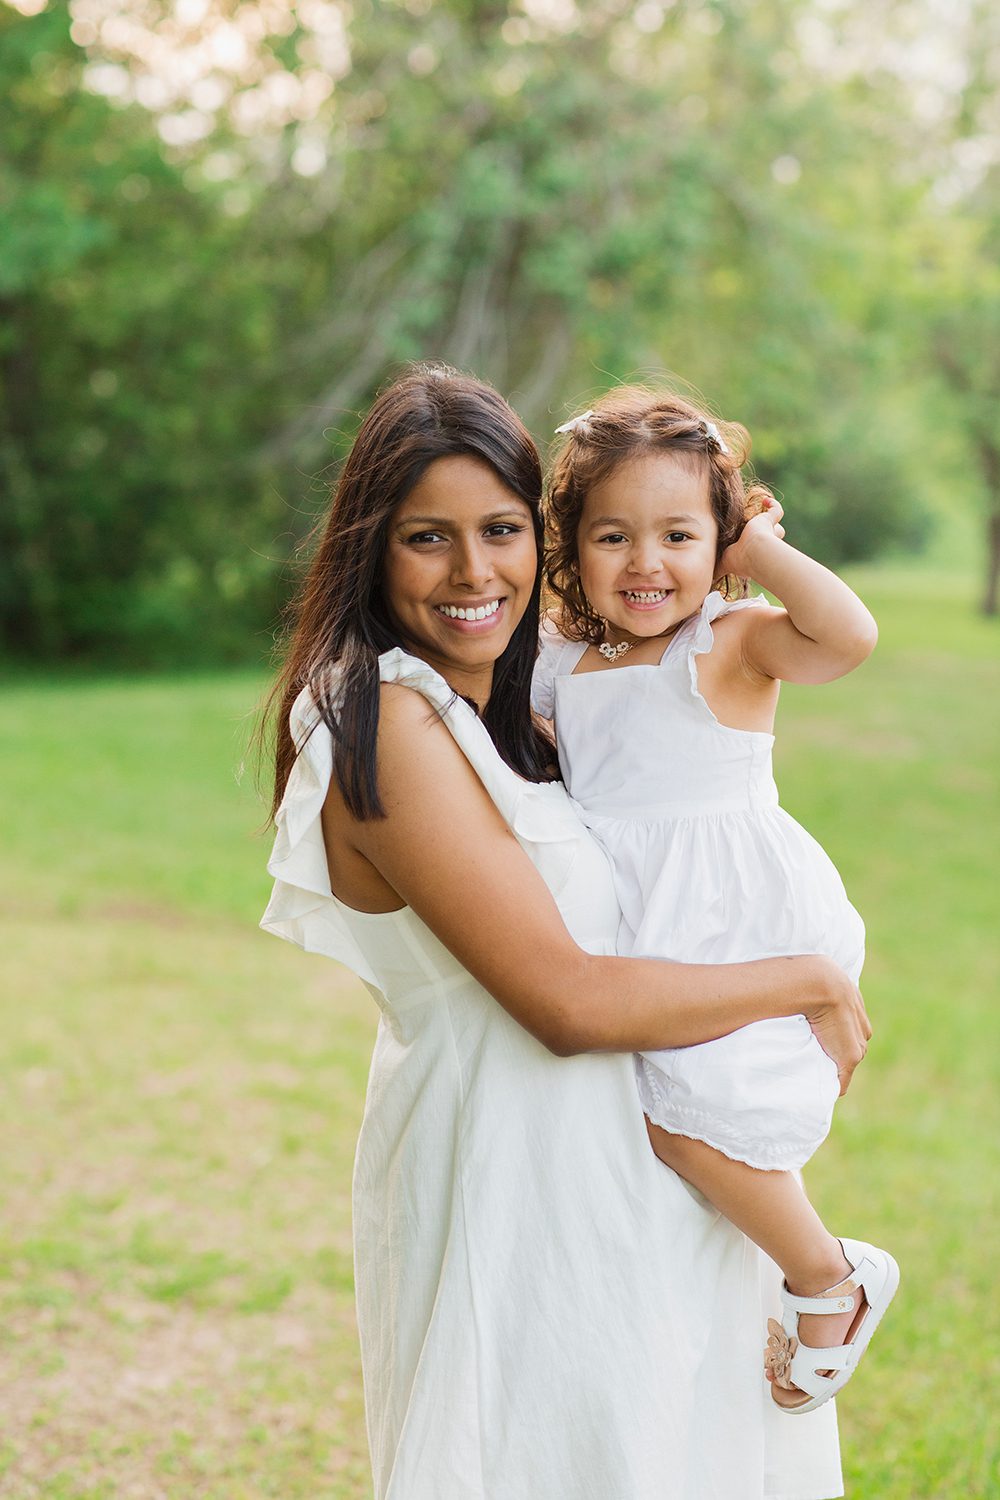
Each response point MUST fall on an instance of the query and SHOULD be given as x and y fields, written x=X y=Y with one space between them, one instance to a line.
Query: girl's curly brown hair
x=626 y=424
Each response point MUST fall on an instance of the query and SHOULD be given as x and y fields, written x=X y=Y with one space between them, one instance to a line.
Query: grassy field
x=182 y=1093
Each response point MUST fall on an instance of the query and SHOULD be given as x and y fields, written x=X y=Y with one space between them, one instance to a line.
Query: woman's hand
x=839 y=1020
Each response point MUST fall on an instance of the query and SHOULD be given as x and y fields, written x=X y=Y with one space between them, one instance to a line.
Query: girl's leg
x=774 y=1212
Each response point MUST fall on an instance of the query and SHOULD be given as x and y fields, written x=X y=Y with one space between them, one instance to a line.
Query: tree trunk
x=989 y=455
x=990 y=599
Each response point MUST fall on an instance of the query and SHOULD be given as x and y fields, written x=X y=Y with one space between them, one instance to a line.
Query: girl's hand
x=763 y=525
x=839 y=1021
x=823 y=630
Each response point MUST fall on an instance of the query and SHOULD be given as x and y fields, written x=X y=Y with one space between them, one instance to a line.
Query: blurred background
x=224 y=226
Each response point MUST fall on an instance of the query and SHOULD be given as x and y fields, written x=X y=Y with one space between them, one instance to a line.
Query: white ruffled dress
x=710 y=870
x=544 y=1309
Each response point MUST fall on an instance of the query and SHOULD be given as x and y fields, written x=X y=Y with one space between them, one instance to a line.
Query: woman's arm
x=824 y=630
x=444 y=848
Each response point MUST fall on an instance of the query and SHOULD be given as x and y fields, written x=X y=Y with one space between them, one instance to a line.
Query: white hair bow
x=575 y=422
x=712 y=434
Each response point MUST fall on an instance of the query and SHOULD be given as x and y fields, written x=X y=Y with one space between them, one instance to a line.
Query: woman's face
x=459 y=569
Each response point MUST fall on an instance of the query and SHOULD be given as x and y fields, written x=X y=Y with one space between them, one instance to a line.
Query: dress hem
x=805 y=1494
x=689 y=1134
x=696 y=1125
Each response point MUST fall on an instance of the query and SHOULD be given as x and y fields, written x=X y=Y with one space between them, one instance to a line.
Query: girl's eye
x=614 y=537
x=677 y=536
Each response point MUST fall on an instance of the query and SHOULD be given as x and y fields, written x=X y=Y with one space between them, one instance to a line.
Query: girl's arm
x=445 y=850
x=824 y=630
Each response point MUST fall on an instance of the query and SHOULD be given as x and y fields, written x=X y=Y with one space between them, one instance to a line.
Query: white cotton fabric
x=545 y=1311
x=710 y=870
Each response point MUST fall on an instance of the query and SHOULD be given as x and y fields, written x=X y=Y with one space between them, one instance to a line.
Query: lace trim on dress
x=766 y=1154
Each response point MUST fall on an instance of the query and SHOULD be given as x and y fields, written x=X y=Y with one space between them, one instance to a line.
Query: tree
x=232 y=225
x=127 y=332
x=958 y=285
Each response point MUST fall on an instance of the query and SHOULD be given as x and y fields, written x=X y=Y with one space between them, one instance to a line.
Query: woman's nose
x=473 y=565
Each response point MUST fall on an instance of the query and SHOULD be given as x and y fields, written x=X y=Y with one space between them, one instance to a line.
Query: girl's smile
x=646 y=598
x=647 y=544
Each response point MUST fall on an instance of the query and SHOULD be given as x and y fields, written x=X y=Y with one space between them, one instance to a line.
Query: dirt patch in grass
x=120 y=1396
x=176 y=1285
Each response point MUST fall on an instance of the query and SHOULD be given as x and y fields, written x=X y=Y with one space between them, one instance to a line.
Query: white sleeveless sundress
x=545 y=1311
x=709 y=870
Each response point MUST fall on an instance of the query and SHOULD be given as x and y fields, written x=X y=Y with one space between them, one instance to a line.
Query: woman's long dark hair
x=339 y=616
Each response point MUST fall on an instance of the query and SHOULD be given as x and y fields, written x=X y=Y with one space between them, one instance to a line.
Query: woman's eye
x=423 y=536
x=503 y=528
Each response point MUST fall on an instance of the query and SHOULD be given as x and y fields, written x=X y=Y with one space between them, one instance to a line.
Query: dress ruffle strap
x=537 y=813
x=512 y=795
x=702 y=637
x=552 y=648
x=303 y=909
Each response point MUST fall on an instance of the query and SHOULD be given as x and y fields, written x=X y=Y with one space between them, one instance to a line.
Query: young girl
x=662 y=688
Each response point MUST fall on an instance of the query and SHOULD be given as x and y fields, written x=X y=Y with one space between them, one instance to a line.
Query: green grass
x=182 y=1094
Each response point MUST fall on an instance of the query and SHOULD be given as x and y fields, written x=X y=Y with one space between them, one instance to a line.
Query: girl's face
x=460 y=565
x=647 y=544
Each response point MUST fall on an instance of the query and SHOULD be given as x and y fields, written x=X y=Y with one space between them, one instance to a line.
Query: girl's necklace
x=612 y=653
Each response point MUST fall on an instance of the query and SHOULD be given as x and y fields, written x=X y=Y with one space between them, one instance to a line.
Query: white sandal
x=797 y=1366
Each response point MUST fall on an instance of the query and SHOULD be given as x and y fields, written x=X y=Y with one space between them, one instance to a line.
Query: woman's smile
x=471 y=617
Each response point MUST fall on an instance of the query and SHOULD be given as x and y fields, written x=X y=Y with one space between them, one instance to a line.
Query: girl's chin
x=646 y=624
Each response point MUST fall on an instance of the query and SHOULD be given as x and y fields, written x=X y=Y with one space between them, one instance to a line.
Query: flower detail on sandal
x=779 y=1354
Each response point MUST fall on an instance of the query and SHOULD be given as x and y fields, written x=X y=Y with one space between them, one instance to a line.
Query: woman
x=544 y=1309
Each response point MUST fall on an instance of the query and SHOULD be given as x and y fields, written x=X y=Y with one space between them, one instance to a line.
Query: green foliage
x=124 y=450
x=183 y=344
